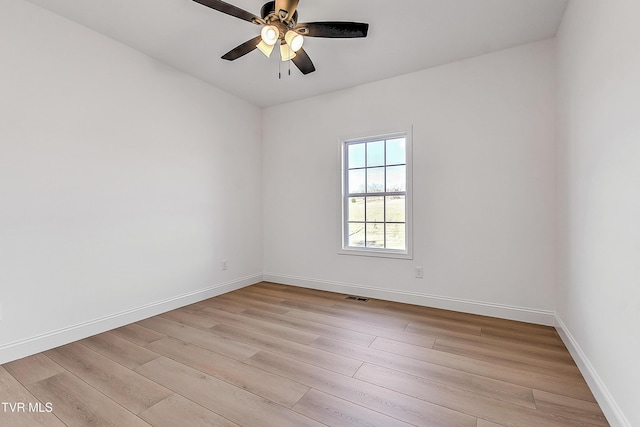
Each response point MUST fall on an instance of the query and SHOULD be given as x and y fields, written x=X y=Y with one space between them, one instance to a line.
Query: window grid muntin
x=384 y=194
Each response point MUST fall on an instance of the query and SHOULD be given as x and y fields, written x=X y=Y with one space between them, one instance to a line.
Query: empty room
x=319 y=213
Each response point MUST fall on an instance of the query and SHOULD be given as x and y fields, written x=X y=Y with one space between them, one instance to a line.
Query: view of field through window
x=375 y=193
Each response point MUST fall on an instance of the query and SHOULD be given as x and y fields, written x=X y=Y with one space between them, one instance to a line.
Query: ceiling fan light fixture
x=265 y=48
x=270 y=34
x=294 y=40
x=286 y=53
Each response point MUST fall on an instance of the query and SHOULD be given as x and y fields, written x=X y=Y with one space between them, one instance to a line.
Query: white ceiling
x=404 y=36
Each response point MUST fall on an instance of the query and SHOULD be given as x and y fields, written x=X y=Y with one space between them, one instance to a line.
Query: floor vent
x=360 y=299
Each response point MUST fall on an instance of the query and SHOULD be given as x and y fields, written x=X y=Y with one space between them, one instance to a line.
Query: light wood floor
x=274 y=355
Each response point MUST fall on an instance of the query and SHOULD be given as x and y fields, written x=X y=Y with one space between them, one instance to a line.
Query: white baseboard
x=522 y=314
x=49 y=340
x=611 y=410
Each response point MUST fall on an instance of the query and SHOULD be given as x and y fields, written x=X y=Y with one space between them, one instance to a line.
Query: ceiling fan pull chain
x=279 y=72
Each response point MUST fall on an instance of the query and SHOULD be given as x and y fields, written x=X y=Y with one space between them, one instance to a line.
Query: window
x=376 y=213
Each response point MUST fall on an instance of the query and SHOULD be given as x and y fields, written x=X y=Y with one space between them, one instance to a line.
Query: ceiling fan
x=279 y=21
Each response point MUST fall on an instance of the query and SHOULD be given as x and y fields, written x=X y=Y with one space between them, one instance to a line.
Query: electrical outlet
x=224 y=264
x=419 y=272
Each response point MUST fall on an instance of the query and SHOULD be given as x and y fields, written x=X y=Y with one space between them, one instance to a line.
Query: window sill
x=377 y=253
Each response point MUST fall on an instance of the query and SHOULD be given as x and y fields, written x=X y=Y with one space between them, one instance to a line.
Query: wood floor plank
x=219 y=303
x=474 y=319
x=119 y=350
x=496 y=357
x=516 y=360
x=513 y=326
x=191 y=308
x=12 y=392
x=315 y=298
x=243 y=321
x=272 y=387
x=271 y=285
x=420 y=332
x=404 y=407
x=322 y=304
x=497 y=389
x=363 y=328
x=314 y=316
x=314 y=327
x=460 y=400
x=449 y=326
x=435 y=322
x=407 y=337
x=328 y=296
x=137 y=334
x=129 y=389
x=410 y=312
x=78 y=404
x=249 y=295
x=176 y=410
x=485 y=423
x=533 y=350
x=323 y=359
x=517 y=336
x=587 y=412
x=344 y=313
x=246 y=302
x=571 y=387
x=334 y=411
x=231 y=402
x=331 y=299
x=401 y=348
x=34 y=368
x=439 y=331
x=195 y=320
x=205 y=339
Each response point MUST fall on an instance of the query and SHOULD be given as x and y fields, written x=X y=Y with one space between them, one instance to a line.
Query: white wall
x=123 y=184
x=599 y=161
x=484 y=185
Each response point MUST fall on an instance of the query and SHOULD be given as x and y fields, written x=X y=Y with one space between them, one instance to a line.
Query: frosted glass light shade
x=265 y=48
x=294 y=40
x=270 y=34
x=286 y=53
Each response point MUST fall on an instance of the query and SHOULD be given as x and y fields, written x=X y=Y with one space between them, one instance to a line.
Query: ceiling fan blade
x=287 y=5
x=230 y=9
x=303 y=62
x=337 y=30
x=242 y=50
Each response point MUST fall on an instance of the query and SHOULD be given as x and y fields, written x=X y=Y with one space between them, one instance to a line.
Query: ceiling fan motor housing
x=268 y=13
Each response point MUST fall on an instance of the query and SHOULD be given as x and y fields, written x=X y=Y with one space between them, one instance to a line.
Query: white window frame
x=344 y=249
